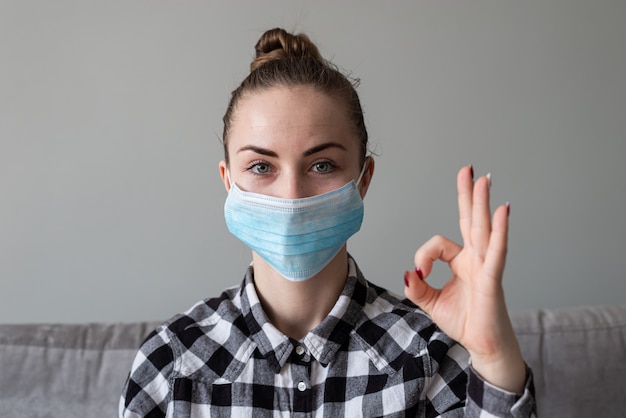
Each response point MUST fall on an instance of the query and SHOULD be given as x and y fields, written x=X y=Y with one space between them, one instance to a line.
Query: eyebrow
x=322 y=147
x=258 y=150
x=311 y=151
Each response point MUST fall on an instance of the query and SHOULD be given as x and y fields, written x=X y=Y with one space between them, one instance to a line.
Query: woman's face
x=293 y=142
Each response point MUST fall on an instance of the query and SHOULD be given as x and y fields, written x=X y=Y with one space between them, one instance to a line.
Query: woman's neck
x=295 y=308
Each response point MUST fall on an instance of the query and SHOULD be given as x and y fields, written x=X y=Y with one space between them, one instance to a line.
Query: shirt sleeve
x=455 y=389
x=147 y=389
x=483 y=397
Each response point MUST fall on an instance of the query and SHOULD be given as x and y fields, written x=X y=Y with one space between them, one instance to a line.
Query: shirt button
x=301 y=386
x=299 y=350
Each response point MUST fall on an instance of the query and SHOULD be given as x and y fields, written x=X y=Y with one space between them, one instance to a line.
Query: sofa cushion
x=578 y=357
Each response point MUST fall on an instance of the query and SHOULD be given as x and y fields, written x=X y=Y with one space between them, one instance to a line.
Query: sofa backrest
x=66 y=370
x=578 y=357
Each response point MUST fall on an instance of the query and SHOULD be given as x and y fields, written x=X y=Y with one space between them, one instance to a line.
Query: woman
x=305 y=333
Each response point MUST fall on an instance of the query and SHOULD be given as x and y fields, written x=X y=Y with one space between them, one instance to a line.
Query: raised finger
x=498 y=243
x=481 y=217
x=465 y=186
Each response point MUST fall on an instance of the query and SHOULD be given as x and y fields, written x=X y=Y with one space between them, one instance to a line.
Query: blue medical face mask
x=296 y=237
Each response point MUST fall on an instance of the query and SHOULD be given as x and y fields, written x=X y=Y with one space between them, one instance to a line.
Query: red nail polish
x=472 y=170
x=406 y=278
x=419 y=272
x=508 y=208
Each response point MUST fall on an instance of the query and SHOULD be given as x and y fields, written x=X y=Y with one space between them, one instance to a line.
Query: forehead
x=290 y=114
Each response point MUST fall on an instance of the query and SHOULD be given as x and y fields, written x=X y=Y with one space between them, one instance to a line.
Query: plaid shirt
x=373 y=355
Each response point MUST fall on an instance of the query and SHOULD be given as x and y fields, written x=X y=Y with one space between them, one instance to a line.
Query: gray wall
x=110 y=119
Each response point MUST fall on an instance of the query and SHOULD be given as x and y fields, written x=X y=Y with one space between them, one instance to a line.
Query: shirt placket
x=301 y=375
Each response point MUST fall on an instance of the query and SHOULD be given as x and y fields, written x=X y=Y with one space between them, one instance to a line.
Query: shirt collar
x=272 y=344
x=324 y=340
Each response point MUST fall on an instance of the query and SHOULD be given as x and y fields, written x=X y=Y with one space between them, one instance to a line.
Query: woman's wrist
x=506 y=370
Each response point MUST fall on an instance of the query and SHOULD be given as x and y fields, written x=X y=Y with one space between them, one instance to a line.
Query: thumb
x=419 y=292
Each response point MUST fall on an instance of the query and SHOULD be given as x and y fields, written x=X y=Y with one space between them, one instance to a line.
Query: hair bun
x=278 y=44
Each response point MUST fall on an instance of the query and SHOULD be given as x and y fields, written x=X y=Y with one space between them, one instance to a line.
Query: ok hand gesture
x=470 y=307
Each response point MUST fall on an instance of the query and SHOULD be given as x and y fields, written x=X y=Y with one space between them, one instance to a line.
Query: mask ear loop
x=230 y=182
x=365 y=165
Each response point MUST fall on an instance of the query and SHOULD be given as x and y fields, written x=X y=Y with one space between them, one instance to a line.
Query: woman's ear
x=366 y=178
x=224 y=174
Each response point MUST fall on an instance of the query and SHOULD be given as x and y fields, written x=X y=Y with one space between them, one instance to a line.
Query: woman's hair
x=284 y=59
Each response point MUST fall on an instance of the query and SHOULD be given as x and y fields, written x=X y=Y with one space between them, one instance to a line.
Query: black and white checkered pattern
x=374 y=355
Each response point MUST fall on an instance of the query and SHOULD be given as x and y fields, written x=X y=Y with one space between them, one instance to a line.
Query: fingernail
x=419 y=272
x=508 y=208
x=489 y=179
x=406 y=278
x=471 y=166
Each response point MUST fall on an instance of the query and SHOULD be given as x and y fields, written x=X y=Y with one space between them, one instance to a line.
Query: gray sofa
x=578 y=356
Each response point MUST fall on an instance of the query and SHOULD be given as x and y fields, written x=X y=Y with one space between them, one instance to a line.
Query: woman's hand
x=470 y=308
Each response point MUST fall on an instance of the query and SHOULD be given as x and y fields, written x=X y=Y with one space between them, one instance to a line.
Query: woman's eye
x=260 y=168
x=322 y=167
